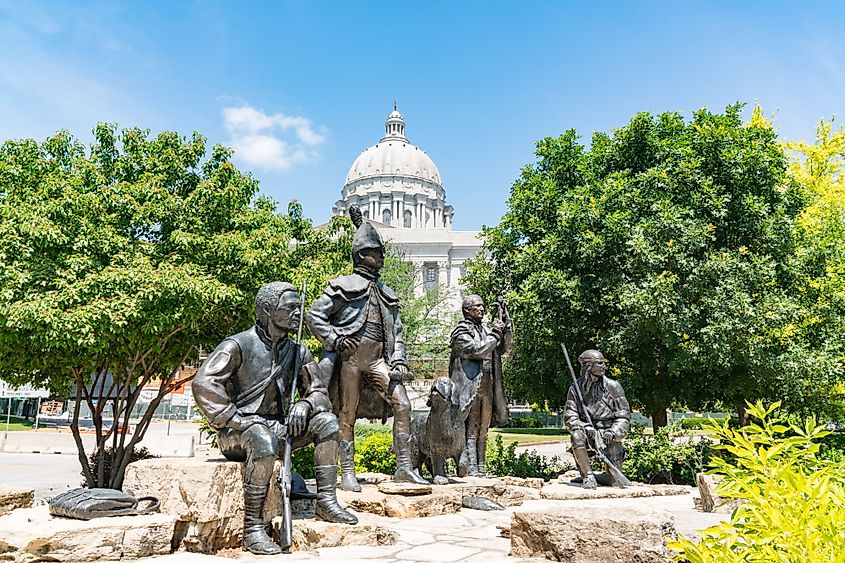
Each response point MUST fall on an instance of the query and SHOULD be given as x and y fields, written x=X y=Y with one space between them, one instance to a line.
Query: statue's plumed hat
x=366 y=236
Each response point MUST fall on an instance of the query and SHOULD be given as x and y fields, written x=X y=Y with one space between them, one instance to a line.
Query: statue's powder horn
x=356 y=216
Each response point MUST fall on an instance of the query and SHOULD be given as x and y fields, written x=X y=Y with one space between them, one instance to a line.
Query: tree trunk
x=742 y=413
x=659 y=417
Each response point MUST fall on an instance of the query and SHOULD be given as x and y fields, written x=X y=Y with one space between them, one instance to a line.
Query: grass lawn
x=524 y=436
x=15 y=424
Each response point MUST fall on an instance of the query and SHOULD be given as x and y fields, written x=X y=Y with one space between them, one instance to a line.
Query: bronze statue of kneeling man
x=598 y=417
x=243 y=388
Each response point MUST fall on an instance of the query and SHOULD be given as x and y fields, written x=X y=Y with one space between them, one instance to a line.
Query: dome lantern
x=394 y=127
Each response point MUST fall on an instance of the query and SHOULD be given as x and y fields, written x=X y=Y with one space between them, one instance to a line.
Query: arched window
x=386 y=216
x=408 y=218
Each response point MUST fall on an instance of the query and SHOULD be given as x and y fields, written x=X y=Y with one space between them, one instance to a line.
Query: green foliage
x=503 y=460
x=302 y=461
x=832 y=447
x=373 y=453
x=106 y=456
x=820 y=261
x=699 y=423
x=668 y=456
x=207 y=430
x=125 y=256
x=667 y=245
x=524 y=422
x=794 y=501
x=427 y=319
x=365 y=430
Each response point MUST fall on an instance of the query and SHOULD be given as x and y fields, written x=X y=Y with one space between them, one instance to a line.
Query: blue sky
x=301 y=88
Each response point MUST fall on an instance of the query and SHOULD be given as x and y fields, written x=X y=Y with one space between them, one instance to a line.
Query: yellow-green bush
x=794 y=501
x=372 y=453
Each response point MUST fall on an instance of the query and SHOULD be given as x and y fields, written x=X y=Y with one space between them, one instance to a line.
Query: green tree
x=428 y=315
x=665 y=244
x=820 y=259
x=125 y=257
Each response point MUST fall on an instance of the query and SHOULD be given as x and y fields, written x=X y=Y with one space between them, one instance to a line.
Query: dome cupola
x=396 y=183
x=394 y=127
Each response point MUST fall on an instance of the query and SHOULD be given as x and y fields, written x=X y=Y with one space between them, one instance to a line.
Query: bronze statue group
x=266 y=394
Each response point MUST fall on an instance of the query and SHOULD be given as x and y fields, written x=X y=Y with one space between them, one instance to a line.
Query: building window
x=408 y=218
x=386 y=216
x=430 y=276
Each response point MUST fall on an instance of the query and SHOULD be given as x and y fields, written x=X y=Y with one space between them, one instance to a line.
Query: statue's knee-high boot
x=325 y=454
x=582 y=460
x=481 y=457
x=404 y=472
x=472 y=457
x=348 y=480
x=256 y=538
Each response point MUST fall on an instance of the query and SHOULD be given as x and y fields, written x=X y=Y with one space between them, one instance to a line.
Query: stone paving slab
x=569 y=491
x=466 y=530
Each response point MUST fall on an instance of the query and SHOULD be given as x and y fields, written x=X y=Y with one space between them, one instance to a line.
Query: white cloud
x=271 y=142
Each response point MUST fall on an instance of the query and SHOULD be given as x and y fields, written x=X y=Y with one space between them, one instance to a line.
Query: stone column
x=443 y=273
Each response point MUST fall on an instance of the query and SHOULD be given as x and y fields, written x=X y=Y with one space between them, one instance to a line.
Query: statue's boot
x=481 y=458
x=404 y=472
x=348 y=480
x=256 y=538
x=472 y=457
x=582 y=460
x=461 y=464
x=327 y=507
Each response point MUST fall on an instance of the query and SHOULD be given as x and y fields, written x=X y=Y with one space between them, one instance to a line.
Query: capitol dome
x=396 y=183
x=394 y=155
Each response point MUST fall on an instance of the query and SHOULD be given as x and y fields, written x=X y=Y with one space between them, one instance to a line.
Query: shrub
x=703 y=422
x=832 y=447
x=373 y=453
x=105 y=455
x=794 y=507
x=524 y=422
x=364 y=430
x=207 y=430
x=302 y=462
x=503 y=461
x=669 y=456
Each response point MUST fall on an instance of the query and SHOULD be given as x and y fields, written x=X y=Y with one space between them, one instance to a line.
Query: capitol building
x=399 y=190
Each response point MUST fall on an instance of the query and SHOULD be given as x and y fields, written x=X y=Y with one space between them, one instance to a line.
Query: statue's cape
x=466 y=374
x=355 y=286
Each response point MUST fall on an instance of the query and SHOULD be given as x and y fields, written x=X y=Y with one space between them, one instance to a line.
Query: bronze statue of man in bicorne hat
x=356 y=319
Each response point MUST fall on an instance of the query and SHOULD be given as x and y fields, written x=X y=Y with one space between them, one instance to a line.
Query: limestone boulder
x=529 y=482
x=32 y=534
x=15 y=497
x=371 y=500
x=443 y=499
x=311 y=534
x=408 y=489
x=206 y=497
x=568 y=491
x=593 y=534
